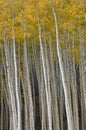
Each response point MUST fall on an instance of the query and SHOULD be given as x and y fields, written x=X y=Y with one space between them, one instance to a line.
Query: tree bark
x=64 y=82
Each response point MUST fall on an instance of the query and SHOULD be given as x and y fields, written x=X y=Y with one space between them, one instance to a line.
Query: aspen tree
x=9 y=84
x=16 y=80
x=31 y=113
x=42 y=100
x=74 y=91
x=67 y=104
x=56 y=121
x=45 y=79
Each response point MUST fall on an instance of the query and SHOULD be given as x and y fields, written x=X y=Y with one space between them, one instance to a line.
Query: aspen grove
x=43 y=65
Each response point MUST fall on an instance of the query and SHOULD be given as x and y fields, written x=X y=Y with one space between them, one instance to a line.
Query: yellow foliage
x=68 y=14
x=75 y=53
x=63 y=45
x=78 y=60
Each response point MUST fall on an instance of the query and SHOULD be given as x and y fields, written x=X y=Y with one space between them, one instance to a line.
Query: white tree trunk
x=16 y=81
x=9 y=85
x=64 y=82
x=48 y=100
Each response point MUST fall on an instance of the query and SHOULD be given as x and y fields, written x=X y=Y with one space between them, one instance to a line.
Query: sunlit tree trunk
x=48 y=100
x=64 y=82
x=42 y=100
x=19 y=85
x=9 y=85
x=43 y=103
x=47 y=66
x=16 y=81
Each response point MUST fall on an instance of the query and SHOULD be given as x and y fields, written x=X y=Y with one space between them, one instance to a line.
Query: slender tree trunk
x=48 y=100
x=16 y=82
x=74 y=91
x=9 y=85
x=54 y=92
x=31 y=112
x=42 y=102
x=82 y=83
x=67 y=103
